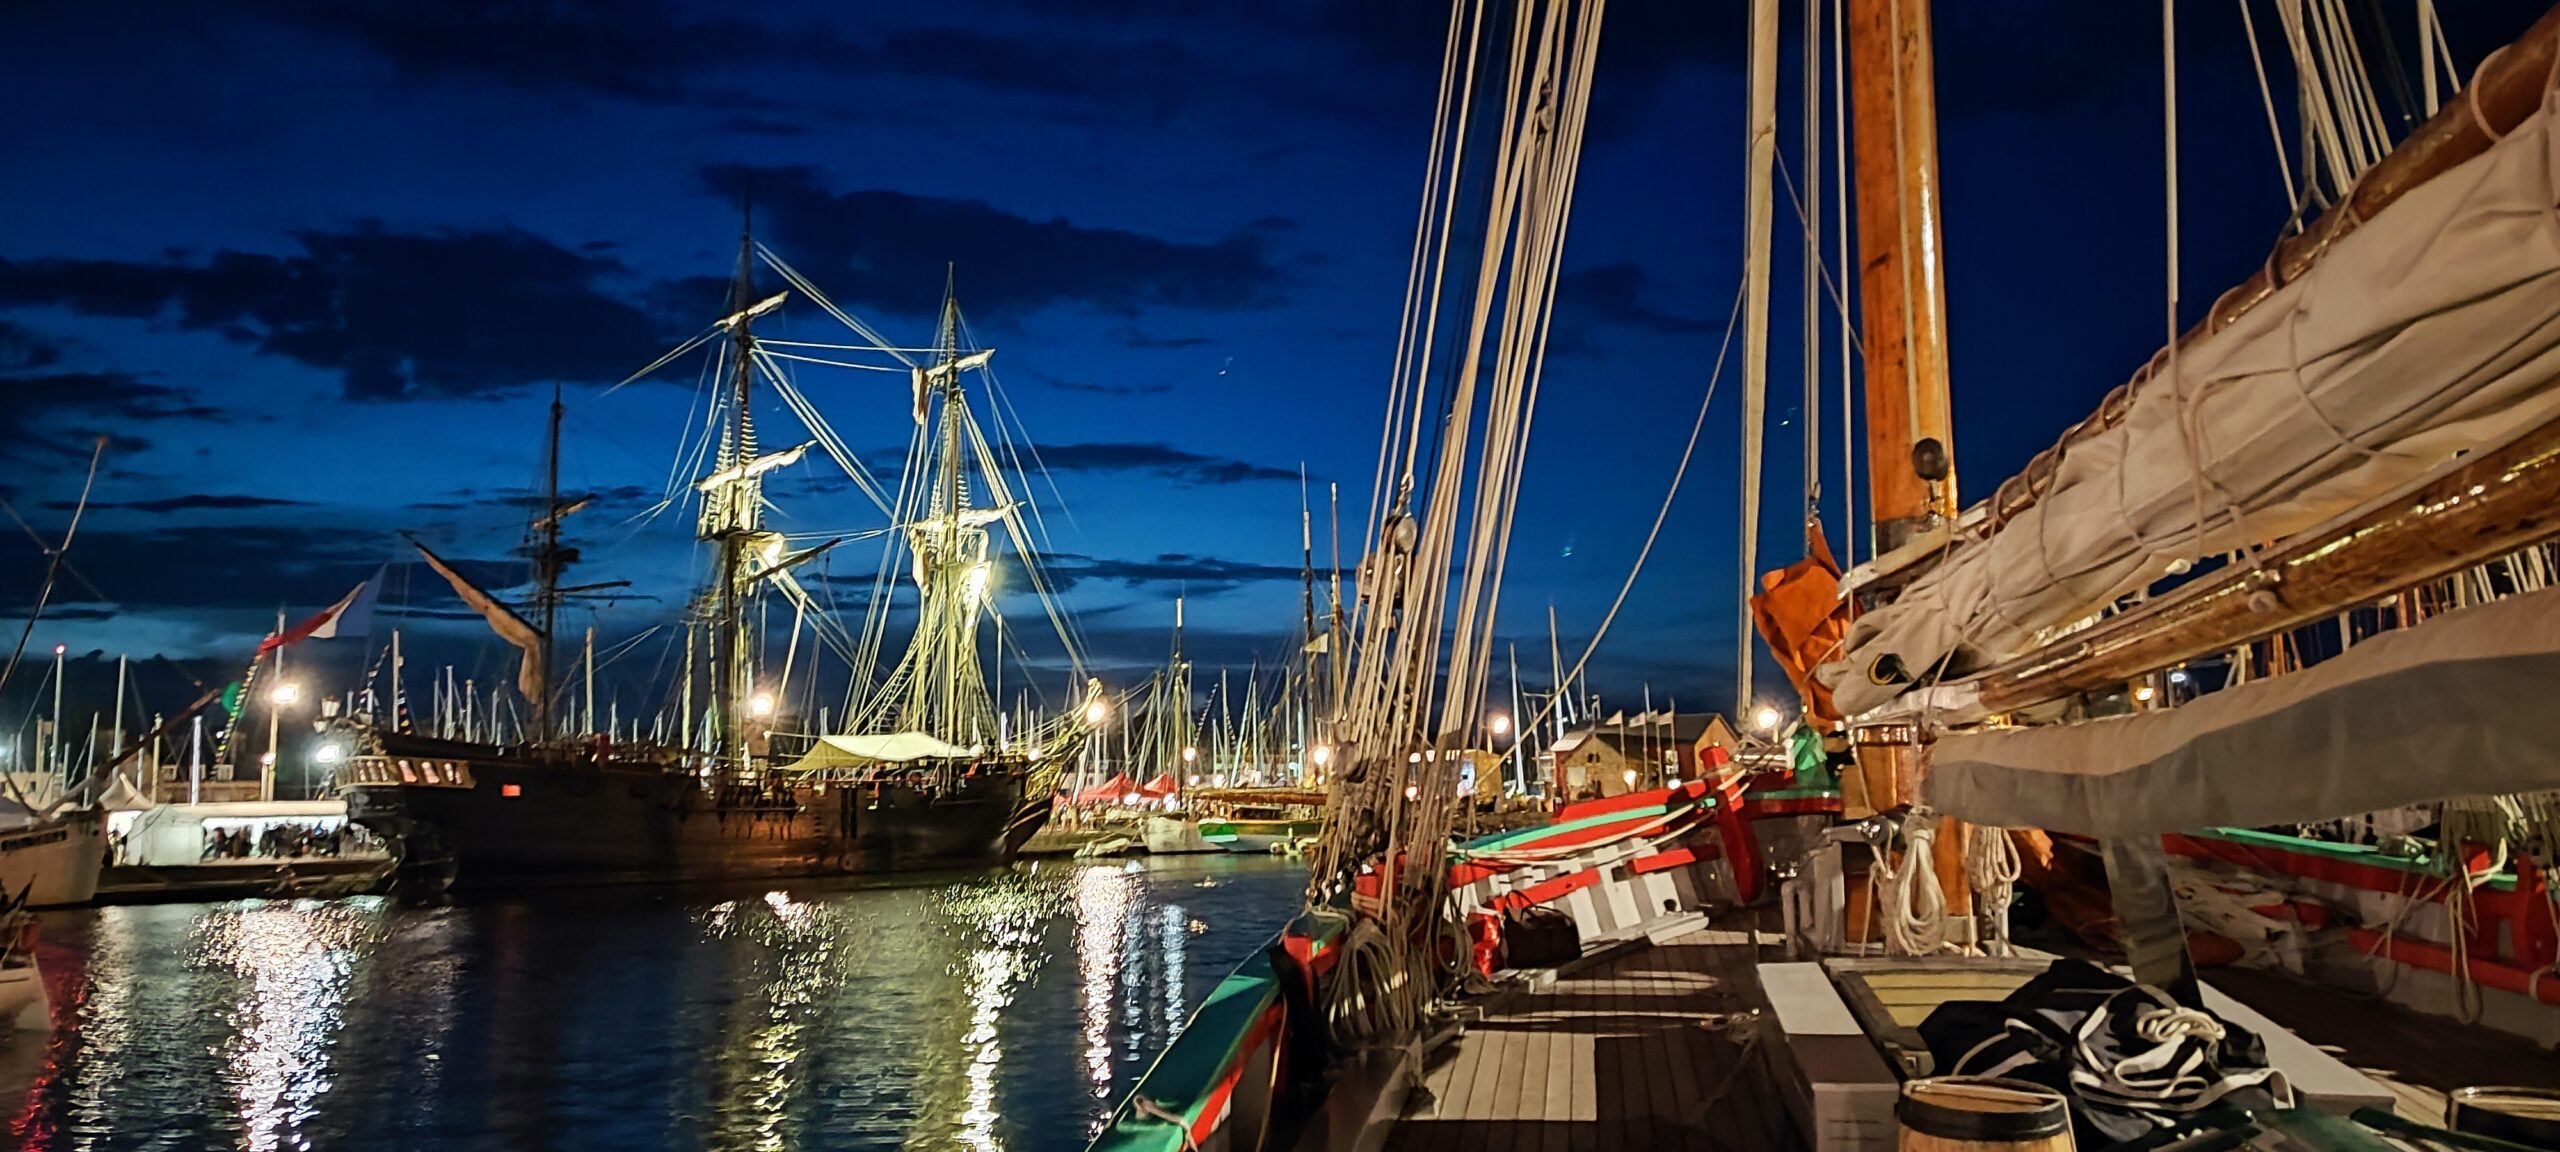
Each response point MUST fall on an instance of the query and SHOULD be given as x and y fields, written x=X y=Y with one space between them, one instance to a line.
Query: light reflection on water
x=997 y=1012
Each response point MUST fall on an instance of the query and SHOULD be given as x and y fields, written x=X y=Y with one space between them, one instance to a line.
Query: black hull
x=512 y=818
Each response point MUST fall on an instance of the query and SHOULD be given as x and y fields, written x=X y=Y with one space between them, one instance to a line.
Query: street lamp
x=1501 y=725
x=1323 y=755
x=285 y=694
x=761 y=704
x=1095 y=713
x=1766 y=719
x=1190 y=754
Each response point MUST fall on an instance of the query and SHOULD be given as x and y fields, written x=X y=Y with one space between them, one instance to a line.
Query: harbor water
x=1004 y=1010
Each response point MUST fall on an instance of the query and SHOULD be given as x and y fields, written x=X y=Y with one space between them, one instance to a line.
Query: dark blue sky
x=315 y=265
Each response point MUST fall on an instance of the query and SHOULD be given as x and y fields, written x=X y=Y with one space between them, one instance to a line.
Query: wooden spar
x=1901 y=283
x=2507 y=87
x=1757 y=197
x=2492 y=505
x=1893 y=107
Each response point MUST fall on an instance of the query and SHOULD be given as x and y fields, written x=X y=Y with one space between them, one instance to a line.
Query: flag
x=352 y=614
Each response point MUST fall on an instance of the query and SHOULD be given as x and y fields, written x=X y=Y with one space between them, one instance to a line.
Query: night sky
x=315 y=267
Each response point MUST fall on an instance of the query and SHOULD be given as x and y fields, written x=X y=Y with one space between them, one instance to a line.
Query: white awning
x=885 y=748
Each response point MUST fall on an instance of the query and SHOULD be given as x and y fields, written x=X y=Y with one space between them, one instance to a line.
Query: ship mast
x=1901 y=286
x=732 y=513
x=549 y=559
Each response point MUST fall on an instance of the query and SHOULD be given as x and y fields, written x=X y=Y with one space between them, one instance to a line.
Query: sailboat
x=2376 y=414
x=924 y=787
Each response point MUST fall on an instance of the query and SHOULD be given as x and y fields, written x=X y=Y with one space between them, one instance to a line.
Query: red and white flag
x=352 y=613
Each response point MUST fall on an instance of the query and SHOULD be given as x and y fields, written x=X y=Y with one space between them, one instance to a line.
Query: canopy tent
x=1160 y=787
x=1106 y=792
x=865 y=750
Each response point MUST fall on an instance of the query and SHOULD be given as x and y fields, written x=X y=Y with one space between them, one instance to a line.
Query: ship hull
x=470 y=819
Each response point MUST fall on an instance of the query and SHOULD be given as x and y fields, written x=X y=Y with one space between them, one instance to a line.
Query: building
x=1639 y=752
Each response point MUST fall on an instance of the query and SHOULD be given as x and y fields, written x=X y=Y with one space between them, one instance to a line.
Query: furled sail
x=2430 y=331
x=2459 y=706
x=533 y=679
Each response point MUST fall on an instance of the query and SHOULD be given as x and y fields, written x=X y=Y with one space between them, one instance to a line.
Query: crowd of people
x=281 y=841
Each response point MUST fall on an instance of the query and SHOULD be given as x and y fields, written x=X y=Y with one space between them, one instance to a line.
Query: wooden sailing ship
x=1981 y=693
x=921 y=776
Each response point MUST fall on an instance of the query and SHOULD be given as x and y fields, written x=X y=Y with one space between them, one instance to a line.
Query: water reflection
x=997 y=1012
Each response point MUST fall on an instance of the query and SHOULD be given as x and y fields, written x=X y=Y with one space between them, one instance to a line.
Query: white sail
x=2431 y=331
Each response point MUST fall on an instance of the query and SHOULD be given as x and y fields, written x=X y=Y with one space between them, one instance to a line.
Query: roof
x=1667 y=730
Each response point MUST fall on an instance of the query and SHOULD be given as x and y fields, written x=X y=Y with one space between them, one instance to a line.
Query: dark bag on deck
x=1535 y=937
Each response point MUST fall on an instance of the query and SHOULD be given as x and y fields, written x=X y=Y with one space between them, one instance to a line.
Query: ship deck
x=1664 y=1046
x=1616 y=1054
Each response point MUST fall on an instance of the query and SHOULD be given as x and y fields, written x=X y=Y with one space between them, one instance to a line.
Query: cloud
x=1130 y=336
x=1154 y=389
x=189 y=503
x=22 y=348
x=891 y=249
x=1176 y=464
x=1614 y=293
x=62 y=414
x=634 y=49
x=1198 y=575
x=398 y=315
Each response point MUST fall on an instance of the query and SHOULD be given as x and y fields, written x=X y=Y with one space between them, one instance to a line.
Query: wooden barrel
x=1970 y=1113
x=2517 y=1115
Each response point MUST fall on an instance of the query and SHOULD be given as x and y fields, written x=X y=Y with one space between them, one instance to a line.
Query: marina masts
x=945 y=683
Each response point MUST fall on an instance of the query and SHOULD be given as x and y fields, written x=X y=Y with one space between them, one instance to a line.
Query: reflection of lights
x=1101 y=909
x=296 y=959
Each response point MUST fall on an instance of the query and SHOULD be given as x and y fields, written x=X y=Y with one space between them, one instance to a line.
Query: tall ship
x=920 y=775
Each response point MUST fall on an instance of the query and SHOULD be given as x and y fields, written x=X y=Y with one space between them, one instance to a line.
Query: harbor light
x=2142 y=693
x=2178 y=676
x=1766 y=719
x=285 y=694
x=1323 y=755
x=1631 y=778
x=1190 y=754
x=761 y=704
x=59 y=649
x=1195 y=779
x=329 y=753
x=1095 y=713
x=1501 y=724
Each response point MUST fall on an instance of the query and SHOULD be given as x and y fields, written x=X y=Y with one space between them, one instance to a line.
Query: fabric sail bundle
x=2432 y=330
x=2458 y=706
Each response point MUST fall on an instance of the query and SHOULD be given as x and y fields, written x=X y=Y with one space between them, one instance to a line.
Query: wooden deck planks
x=1611 y=1057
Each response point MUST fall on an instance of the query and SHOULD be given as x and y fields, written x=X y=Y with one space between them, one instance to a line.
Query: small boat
x=54 y=859
x=22 y=996
x=1177 y=835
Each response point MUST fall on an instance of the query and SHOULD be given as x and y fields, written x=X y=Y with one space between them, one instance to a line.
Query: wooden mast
x=1911 y=481
x=1901 y=278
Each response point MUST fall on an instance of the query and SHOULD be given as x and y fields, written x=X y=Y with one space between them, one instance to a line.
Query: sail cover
x=2458 y=706
x=2432 y=330
x=885 y=748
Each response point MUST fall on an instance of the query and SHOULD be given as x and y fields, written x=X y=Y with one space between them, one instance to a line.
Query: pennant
x=351 y=615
